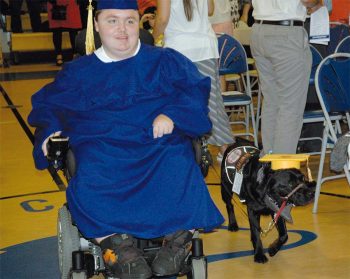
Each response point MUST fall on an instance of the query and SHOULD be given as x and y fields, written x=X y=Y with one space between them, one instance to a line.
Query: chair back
x=233 y=58
x=337 y=32
x=344 y=45
x=333 y=83
x=333 y=91
x=316 y=60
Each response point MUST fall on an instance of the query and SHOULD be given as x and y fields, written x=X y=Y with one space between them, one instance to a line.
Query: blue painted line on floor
x=306 y=237
x=38 y=259
x=60 y=184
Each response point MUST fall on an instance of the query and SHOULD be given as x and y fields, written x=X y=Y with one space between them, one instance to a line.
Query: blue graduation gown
x=126 y=181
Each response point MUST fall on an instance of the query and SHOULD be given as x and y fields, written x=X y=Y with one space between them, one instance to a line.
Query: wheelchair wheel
x=199 y=269
x=68 y=241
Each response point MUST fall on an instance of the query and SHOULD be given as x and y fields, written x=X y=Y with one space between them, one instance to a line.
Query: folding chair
x=344 y=45
x=338 y=31
x=316 y=60
x=233 y=61
x=313 y=116
x=333 y=90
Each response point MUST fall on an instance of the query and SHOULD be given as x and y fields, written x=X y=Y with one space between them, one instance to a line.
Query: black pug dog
x=264 y=191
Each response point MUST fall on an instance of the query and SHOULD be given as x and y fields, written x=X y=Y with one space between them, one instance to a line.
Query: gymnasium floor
x=318 y=246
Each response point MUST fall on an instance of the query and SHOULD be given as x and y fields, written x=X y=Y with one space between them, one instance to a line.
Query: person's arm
x=45 y=118
x=312 y=5
x=49 y=109
x=144 y=18
x=245 y=13
x=328 y=4
x=187 y=112
x=211 y=7
x=162 y=18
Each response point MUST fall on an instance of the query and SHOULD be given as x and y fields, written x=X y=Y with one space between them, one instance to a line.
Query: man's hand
x=312 y=5
x=44 y=145
x=162 y=125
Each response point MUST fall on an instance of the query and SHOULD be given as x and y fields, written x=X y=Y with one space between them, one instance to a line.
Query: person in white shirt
x=187 y=29
x=221 y=18
x=280 y=47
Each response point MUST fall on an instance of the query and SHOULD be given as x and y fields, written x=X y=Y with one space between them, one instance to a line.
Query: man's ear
x=96 y=25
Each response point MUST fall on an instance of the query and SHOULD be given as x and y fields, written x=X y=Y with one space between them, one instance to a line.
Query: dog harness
x=235 y=162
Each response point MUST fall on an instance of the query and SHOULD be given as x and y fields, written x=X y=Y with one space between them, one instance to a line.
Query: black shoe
x=171 y=257
x=122 y=259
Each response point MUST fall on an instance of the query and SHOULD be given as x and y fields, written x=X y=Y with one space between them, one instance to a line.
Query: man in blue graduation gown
x=130 y=111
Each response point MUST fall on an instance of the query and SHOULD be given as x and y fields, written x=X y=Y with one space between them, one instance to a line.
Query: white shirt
x=278 y=10
x=102 y=55
x=196 y=38
x=222 y=12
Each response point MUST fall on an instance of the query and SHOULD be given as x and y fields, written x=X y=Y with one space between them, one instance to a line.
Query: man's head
x=117 y=22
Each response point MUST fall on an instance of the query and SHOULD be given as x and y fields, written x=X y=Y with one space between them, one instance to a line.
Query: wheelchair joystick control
x=57 y=147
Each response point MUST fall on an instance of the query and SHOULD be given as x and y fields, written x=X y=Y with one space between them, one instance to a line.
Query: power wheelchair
x=81 y=258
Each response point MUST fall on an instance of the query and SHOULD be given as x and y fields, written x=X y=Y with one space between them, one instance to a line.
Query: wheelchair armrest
x=202 y=155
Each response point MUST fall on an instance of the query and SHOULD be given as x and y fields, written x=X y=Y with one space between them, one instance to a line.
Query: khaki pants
x=283 y=59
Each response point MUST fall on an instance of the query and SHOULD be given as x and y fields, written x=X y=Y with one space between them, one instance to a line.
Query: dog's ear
x=263 y=173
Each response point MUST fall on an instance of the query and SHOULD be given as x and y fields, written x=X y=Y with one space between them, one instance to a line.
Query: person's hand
x=244 y=18
x=312 y=5
x=162 y=125
x=44 y=145
x=146 y=17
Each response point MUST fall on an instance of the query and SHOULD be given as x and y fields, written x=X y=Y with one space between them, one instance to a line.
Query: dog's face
x=282 y=182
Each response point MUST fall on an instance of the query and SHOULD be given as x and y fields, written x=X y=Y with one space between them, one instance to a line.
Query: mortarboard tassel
x=89 y=40
x=308 y=171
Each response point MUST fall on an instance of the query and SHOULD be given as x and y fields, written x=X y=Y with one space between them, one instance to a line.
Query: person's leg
x=293 y=67
x=122 y=258
x=83 y=4
x=268 y=88
x=171 y=257
x=72 y=35
x=15 y=8
x=288 y=51
x=221 y=133
x=34 y=8
x=57 y=42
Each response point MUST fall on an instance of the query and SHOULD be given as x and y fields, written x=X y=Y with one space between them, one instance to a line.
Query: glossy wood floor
x=318 y=246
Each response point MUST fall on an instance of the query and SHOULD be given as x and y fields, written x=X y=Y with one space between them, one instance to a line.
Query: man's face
x=119 y=32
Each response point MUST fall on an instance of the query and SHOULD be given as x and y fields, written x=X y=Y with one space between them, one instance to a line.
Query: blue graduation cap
x=117 y=4
x=104 y=5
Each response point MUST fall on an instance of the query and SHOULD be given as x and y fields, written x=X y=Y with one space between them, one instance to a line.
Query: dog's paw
x=273 y=250
x=276 y=246
x=260 y=258
x=233 y=227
